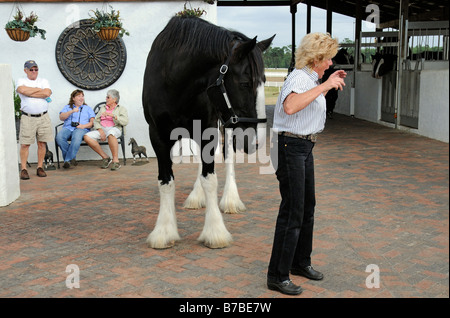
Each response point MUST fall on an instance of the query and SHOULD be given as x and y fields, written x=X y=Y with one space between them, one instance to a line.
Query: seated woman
x=108 y=125
x=78 y=119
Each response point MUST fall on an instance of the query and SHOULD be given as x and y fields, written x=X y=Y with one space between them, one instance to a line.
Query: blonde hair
x=315 y=47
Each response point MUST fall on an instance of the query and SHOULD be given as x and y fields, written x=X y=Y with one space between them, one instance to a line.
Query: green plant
x=17 y=101
x=20 y=21
x=190 y=12
x=103 y=19
x=196 y=12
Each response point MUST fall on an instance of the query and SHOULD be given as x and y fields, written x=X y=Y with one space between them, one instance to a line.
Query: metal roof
x=429 y=10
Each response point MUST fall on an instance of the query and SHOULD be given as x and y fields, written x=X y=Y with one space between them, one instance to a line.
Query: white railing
x=274 y=84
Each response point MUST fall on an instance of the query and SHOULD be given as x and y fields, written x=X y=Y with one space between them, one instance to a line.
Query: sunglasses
x=33 y=70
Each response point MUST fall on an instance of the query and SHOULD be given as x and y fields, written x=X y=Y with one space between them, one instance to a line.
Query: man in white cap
x=35 y=122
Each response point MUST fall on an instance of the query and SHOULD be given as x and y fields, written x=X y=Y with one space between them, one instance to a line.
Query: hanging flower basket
x=108 y=34
x=18 y=35
x=21 y=28
x=108 y=25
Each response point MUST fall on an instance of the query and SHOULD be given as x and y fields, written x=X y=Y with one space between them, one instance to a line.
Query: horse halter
x=234 y=119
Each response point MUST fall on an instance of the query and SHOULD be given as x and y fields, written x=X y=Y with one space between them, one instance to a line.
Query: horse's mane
x=192 y=36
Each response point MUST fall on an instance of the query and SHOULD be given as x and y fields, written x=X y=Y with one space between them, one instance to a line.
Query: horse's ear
x=264 y=45
x=243 y=49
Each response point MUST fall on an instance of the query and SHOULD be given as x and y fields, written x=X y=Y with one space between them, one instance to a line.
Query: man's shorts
x=94 y=134
x=32 y=128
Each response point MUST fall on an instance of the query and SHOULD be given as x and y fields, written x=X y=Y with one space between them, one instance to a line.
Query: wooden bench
x=121 y=139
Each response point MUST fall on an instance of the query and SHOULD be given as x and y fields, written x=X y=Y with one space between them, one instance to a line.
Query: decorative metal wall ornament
x=85 y=60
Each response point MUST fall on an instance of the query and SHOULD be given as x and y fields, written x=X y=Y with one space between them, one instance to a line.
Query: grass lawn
x=271 y=95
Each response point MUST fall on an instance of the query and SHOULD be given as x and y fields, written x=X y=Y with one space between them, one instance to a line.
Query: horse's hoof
x=194 y=204
x=216 y=242
x=159 y=243
x=217 y=246
x=161 y=246
x=233 y=209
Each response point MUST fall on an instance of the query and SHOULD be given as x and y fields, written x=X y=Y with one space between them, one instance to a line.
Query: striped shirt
x=311 y=119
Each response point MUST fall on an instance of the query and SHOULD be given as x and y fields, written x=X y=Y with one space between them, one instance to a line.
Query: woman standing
x=299 y=116
x=78 y=119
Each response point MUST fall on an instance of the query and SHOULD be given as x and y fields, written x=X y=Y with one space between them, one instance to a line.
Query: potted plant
x=108 y=25
x=190 y=12
x=21 y=28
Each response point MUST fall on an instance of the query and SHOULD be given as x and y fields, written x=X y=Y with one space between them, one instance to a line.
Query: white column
x=9 y=163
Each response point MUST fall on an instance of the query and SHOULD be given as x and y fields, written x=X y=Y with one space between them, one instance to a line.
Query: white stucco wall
x=144 y=20
x=343 y=101
x=367 y=97
x=9 y=173
x=434 y=104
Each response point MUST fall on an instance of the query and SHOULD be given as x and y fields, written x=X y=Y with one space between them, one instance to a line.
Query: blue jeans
x=69 y=150
x=292 y=245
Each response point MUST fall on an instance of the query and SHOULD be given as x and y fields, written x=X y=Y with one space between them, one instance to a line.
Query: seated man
x=78 y=119
x=108 y=125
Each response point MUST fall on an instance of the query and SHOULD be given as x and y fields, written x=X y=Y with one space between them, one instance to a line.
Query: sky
x=267 y=21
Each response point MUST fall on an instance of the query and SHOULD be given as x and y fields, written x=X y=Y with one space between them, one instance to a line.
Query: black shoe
x=286 y=287
x=307 y=272
x=66 y=165
x=73 y=162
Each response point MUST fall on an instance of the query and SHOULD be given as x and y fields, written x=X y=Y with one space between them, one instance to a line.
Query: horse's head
x=342 y=57
x=131 y=141
x=383 y=64
x=239 y=92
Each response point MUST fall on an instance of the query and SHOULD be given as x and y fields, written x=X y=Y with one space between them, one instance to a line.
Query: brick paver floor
x=382 y=204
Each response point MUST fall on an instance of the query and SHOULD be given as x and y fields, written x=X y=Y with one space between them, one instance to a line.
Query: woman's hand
x=336 y=80
x=102 y=134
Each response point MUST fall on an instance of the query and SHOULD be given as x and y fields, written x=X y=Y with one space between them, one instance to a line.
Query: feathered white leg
x=230 y=202
x=165 y=232
x=196 y=198
x=214 y=234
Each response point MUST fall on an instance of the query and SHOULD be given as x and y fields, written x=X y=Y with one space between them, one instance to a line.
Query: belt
x=34 y=115
x=312 y=137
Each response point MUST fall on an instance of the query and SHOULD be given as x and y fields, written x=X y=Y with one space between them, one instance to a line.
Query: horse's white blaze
x=260 y=101
x=214 y=234
x=261 y=113
x=377 y=71
x=165 y=232
x=230 y=202
x=196 y=198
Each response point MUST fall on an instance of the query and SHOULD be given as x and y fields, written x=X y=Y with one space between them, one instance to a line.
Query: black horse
x=383 y=63
x=197 y=74
x=384 y=60
x=342 y=57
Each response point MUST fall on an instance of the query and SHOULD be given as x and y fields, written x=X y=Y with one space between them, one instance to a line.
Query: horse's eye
x=245 y=84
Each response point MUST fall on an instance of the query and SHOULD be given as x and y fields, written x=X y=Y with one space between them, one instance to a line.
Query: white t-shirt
x=32 y=105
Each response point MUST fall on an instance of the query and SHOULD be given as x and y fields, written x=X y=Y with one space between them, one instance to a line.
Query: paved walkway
x=382 y=202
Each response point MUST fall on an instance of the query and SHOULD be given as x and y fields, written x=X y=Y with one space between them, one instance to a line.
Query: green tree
x=276 y=57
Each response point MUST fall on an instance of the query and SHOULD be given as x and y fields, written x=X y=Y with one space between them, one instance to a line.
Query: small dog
x=48 y=158
x=137 y=150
